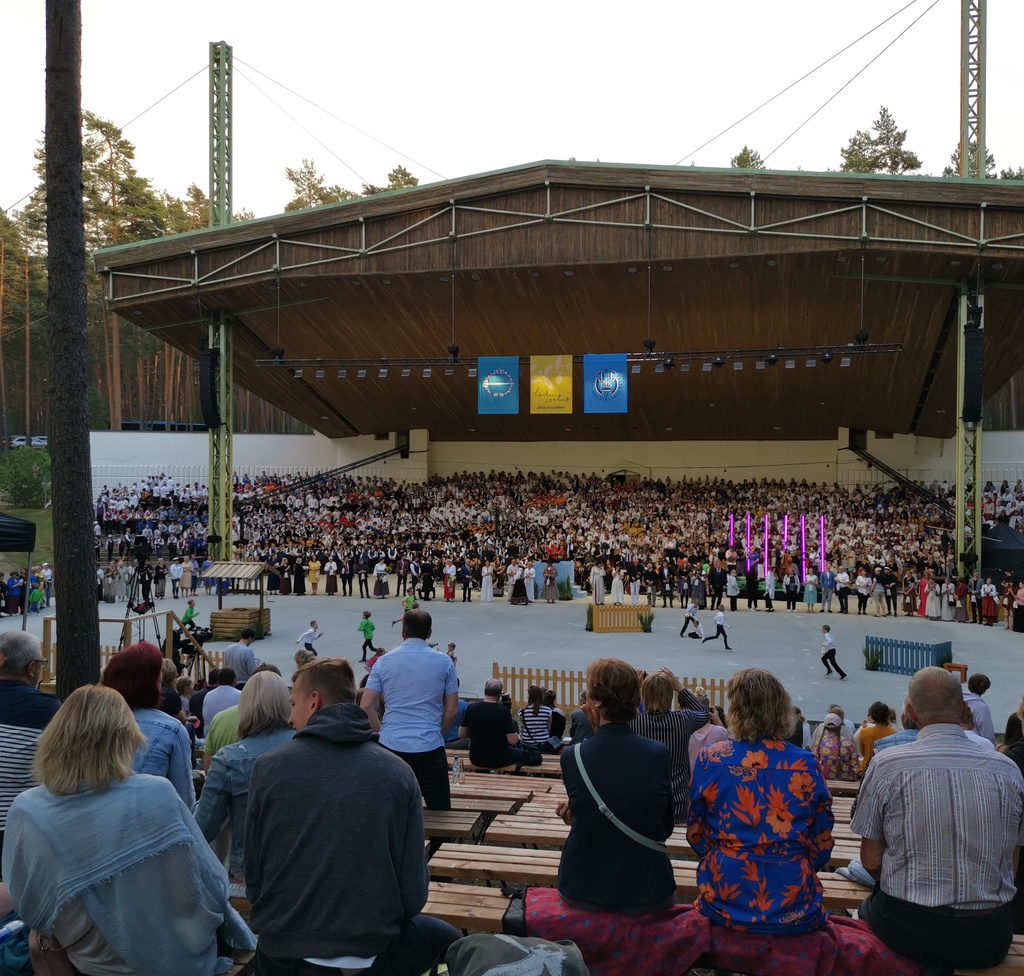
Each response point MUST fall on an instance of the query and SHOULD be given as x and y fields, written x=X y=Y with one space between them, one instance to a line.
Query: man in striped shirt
x=942 y=823
x=24 y=712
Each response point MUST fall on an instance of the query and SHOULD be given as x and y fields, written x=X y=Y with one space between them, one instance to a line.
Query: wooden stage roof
x=553 y=258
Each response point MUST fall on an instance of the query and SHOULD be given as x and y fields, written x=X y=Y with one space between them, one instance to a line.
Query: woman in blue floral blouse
x=760 y=817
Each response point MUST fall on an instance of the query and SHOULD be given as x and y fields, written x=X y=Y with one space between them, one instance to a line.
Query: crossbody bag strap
x=654 y=845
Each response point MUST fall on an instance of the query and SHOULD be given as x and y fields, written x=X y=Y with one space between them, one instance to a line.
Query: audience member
x=240 y=657
x=25 y=712
x=579 y=724
x=493 y=739
x=96 y=855
x=835 y=752
x=314 y=904
x=977 y=685
x=760 y=817
x=535 y=719
x=907 y=734
x=944 y=886
x=421 y=698
x=222 y=695
x=165 y=749
x=875 y=727
x=603 y=868
x=709 y=733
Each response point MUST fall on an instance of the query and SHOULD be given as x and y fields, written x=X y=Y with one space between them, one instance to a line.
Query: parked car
x=17 y=441
x=39 y=440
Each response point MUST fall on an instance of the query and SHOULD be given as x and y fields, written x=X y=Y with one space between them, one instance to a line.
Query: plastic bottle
x=457 y=776
x=10 y=930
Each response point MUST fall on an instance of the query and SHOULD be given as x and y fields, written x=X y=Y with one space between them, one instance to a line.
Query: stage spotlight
x=649 y=345
x=826 y=358
x=277 y=353
x=861 y=337
x=453 y=351
x=670 y=363
x=772 y=360
x=718 y=362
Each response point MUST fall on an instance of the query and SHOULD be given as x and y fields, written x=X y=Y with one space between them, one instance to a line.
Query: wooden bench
x=491 y=805
x=546 y=768
x=245 y=963
x=452 y=824
x=474 y=908
x=549 y=831
x=530 y=867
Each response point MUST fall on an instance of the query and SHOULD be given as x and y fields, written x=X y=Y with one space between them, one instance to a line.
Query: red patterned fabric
x=671 y=942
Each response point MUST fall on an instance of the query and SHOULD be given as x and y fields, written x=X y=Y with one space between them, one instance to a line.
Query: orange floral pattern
x=761 y=820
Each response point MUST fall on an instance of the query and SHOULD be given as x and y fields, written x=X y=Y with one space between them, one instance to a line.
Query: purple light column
x=803 y=547
x=821 y=543
x=732 y=528
x=767 y=543
x=748 y=542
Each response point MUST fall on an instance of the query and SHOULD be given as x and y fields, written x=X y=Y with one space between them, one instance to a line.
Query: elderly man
x=421 y=697
x=942 y=823
x=24 y=712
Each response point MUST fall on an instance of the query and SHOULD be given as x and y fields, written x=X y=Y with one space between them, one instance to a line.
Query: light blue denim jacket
x=167 y=751
x=226 y=793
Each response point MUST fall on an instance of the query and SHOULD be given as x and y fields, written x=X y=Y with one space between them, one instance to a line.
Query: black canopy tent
x=18 y=535
x=1002 y=548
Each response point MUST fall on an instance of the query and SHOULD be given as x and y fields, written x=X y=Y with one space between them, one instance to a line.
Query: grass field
x=43 y=551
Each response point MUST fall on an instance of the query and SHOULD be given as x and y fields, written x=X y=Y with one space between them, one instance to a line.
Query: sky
x=455 y=88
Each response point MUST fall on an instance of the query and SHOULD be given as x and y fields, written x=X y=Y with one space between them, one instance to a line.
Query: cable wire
x=338 y=118
x=309 y=133
x=125 y=126
x=850 y=82
x=797 y=82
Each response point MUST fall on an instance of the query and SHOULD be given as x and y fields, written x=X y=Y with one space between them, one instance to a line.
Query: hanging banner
x=605 y=384
x=551 y=384
x=497 y=384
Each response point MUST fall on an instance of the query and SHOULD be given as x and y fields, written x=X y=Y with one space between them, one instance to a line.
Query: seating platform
x=453 y=824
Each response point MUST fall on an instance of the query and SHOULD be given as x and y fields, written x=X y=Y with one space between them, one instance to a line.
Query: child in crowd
x=366 y=628
x=306 y=639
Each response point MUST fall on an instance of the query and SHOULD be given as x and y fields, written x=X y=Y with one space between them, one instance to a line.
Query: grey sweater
x=334 y=852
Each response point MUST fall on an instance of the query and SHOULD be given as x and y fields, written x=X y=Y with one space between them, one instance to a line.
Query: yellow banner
x=551 y=384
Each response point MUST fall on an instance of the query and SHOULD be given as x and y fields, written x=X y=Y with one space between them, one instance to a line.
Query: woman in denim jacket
x=263 y=712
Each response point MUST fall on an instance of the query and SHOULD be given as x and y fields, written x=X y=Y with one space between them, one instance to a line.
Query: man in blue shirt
x=421 y=694
x=828 y=588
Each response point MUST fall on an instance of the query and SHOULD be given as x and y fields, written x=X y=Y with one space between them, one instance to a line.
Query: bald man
x=941 y=822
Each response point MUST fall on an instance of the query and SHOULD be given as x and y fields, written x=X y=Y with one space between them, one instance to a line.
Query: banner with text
x=551 y=384
x=497 y=384
x=605 y=384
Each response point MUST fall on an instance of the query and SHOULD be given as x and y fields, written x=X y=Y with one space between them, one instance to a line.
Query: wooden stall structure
x=622 y=620
x=226 y=624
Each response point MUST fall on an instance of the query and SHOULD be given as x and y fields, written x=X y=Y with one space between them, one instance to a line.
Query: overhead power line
x=803 y=77
x=355 y=128
x=851 y=81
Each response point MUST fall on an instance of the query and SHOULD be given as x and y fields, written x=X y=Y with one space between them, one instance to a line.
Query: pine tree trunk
x=28 y=358
x=77 y=620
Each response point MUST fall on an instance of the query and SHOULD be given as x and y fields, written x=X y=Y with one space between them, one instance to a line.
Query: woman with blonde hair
x=657 y=721
x=263 y=712
x=760 y=817
x=95 y=856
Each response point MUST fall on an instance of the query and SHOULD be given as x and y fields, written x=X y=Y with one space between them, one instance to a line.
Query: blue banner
x=605 y=384
x=497 y=384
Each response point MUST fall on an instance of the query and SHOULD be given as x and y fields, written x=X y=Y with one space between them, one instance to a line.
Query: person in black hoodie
x=314 y=800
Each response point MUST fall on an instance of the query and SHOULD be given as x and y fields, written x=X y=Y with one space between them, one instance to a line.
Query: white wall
x=125 y=456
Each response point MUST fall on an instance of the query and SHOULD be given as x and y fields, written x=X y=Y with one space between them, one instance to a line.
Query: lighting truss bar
x=682 y=358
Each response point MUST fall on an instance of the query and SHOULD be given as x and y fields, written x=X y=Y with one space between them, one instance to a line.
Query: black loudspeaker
x=974 y=365
x=208 y=364
x=858 y=439
x=402 y=441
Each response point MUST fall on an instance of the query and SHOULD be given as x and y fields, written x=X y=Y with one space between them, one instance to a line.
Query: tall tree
x=953 y=169
x=747 y=158
x=883 y=152
x=77 y=621
x=309 y=188
x=398 y=179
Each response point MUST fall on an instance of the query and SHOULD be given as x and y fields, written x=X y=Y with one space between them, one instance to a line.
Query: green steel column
x=221 y=469
x=973 y=146
x=220 y=133
x=968 y=447
x=221 y=328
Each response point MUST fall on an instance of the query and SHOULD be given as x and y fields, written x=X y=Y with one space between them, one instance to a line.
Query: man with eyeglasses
x=24 y=712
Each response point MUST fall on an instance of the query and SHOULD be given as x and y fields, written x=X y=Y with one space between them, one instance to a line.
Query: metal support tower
x=221 y=469
x=968 y=444
x=973 y=147
x=221 y=72
x=221 y=338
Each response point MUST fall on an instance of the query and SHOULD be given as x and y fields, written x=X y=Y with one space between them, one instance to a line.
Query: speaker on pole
x=208 y=363
x=974 y=367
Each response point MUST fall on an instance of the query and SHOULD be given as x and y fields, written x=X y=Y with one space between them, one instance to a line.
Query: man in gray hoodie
x=335 y=867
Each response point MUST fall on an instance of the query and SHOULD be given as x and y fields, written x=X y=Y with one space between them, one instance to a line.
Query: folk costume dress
x=761 y=820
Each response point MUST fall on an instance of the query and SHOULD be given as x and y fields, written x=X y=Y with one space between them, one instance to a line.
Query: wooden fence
x=567 y=685
x=619 y=620
x=907 y=657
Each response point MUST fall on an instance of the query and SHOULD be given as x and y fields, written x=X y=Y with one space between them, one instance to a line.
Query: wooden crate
x=227 y=623
x=619 y=620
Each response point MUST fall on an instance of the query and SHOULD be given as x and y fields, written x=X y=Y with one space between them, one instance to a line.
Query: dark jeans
x=421 y=940
x=844 y=600
x=862 y=603
x=829 y=660
x=431 y=770
x=934 y=938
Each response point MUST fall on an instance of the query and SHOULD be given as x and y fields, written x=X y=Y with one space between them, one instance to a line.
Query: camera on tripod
x=141 y=549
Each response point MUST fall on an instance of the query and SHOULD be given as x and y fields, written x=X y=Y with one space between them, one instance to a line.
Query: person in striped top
x=24 y=712
x=535 y=718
